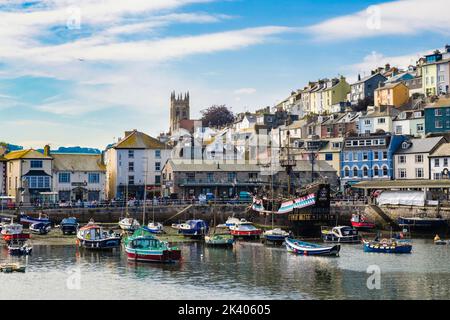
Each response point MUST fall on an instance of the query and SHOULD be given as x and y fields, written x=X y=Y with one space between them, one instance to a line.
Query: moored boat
x=25 y=219
x=129 y=224
x=41 y=227
x=219 y=240
x=194 y=228
x=143 y=246
x=275 y=235
x=388 y=246
x=359 y=221
x=93 y=236
x=245 y=229
x=14 y=231
x=311 y=249
x=11 y=267
x=340 y=234
x=438 y=241
x=69 y=225
x=155 y=227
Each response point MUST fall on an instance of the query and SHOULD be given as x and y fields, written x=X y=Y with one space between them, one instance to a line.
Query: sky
x=81 y=72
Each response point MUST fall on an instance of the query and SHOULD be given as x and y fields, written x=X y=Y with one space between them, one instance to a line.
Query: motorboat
x=275 y=235
x=14 y=231
x=69 y=225
x=93 y=236
x=311 y=249
x=340 y=234
x=26 y=219
x=194 y=228
x=41 y=227
x=156 y=227
x=360 y=222
x=129 y=224
x=245 y=229
x=232 y=222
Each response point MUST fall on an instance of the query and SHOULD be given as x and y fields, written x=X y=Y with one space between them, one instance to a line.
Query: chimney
x=387 y=67
x=359 y=77
x=47 y=150
x=447 y=48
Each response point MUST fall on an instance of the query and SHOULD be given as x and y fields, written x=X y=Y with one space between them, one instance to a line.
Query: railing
x=226 y=182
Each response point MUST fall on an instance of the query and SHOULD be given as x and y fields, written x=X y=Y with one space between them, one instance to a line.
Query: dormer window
x=405 y=145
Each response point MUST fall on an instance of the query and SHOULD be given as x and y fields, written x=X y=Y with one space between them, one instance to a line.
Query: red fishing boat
x=245 y=229
x=359 y=222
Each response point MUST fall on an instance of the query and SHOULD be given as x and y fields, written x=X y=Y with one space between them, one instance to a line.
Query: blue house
x=437 y=117
x=369 y=157
x=365 y=87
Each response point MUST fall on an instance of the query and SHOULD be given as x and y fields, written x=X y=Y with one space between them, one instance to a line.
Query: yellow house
x=429 y=79
x=392 y=94
x=336 y=92
x=31 y=166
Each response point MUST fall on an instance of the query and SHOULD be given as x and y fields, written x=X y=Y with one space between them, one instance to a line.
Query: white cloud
x=402 y=17
x=245 y=91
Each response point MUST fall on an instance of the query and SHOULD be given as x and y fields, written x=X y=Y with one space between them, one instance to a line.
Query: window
x=376 y=155
x=437 y=162
x=385 y=171
x=437 y=176
x=210 y=177
x=402 y=173
x=64 y=177
x=131 y=166
x=382 y=142
x=157 y=166
x=94 y=177
x=347 y=172
x=381 y=120
x=402 y=159
x=158 y=154
x=355 y=172
x=445 y=162
x=438 y=124
x=329 y=157
x=385 y=155
x=346 y=156
x=191 y=177
x=419 y=173
x=131 y=180
x=367 y=122
x=398 y=129
x=376 y=171
x=419 y=158
x=36 y=164
x=231 y=176
x=420 y=127
x=365 y=156
x=355 y=156
x=38 y=182
x=131 y=154
x=438 y=112
x=157 y=180
x=365 y=172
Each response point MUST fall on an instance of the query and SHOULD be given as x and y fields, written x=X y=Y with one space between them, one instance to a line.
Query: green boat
x=219 y=240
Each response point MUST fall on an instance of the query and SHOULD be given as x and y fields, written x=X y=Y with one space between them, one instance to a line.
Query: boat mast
x=145 y=193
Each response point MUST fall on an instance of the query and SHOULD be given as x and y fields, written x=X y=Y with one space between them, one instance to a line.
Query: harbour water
x=249 y=271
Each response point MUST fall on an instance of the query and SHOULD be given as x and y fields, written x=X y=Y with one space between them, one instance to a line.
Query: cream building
x=412 y=159
x=440 y=162
x=28 y=167
x=134 y=162
x=2 y=171
x=79 y=177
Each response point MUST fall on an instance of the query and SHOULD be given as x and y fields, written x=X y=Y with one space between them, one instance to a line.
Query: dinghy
x=311 y=249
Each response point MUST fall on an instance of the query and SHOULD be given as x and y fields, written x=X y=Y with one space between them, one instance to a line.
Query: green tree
x=217 y=116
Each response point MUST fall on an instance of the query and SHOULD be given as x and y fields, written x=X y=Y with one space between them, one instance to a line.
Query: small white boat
x=129 y=224
x=155 y=227
x=275 y=235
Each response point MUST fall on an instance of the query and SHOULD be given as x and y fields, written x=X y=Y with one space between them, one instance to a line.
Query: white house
x=411 y=122
x=440 y=162
x=379 y=119
x=79 y=177
x=134 y=162
x=412 y=159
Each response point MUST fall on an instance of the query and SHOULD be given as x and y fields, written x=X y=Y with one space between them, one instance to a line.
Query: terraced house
x=369 y=157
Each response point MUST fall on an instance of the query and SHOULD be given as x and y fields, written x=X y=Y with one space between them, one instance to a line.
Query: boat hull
x=21 y=236
x=252 y=234
x=274 y=238
x=158 y=256
x=302 y=248
x=104 y=244
x=217 y=242
x=332 y=238
x=24 y=219
x=380 y=248
x=422 y=224
x=363 y=225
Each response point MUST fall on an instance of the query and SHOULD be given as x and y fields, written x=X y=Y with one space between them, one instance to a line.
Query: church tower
x=179 y=110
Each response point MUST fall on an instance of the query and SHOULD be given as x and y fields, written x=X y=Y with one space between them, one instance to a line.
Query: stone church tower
x=179 y=110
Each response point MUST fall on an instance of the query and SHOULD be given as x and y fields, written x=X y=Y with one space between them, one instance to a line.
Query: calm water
x=249 y=271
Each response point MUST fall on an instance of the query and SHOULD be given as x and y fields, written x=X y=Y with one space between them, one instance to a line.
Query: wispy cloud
x=245 y=91
x=402 y=17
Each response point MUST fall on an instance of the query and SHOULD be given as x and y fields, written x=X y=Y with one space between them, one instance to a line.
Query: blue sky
x=82 y=72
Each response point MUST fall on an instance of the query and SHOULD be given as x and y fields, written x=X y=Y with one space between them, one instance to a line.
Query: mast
x=145 y=195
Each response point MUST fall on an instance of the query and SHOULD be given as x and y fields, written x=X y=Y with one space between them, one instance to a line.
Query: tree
x=217 y=116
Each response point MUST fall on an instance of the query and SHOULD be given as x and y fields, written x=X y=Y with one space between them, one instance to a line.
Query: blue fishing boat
x=194 y=228
x=69 y=225
x=388 y=246
x=25 y=219
x=311 y=249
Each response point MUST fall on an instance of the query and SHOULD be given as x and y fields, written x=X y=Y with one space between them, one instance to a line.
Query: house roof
x=425 y=145
x=26 y=154
x=441 y=103
x=390 y=86
x=139 y=140
x=78 y=162
x=442 y=151
x=368 y=78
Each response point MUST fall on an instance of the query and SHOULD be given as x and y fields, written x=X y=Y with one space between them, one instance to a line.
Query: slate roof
x=442 y=151
x=78 y=162
x=425 y=145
